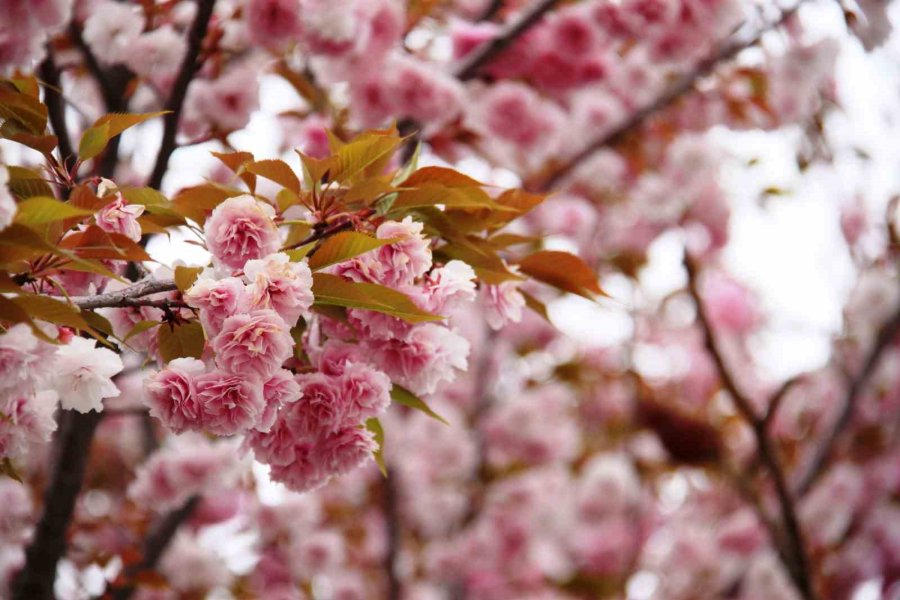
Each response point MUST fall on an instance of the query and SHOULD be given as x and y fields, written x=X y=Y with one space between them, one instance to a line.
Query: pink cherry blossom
x=429 y=355
x=231 y=403
x=172 y=396
x=240 y=229
x=217 y=300
x=118 y=217
x=278 y=390
x=503 y=303
x=273 y=23
x=281 y=285
x=367 y=390
x=253 y=345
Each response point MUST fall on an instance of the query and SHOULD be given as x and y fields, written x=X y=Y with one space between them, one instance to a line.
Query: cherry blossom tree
x=281 y=284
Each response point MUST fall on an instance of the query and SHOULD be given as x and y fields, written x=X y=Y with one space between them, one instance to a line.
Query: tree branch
x=49 y=73
x=392 y=525
x=485 y=53
x=684 y=84
x=127 y=296
x=857 y=385
x=798 y=563
x=189 y=68
x=35 y=581
x=154 y=546
x=472 y=65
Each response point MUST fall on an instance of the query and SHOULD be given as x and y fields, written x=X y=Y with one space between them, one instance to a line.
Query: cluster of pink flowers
x=26 y=27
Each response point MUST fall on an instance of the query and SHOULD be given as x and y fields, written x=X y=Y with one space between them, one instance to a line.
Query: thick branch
x=49 y=73
x=684 y=84
x=127 y=296
x=798 y=565
x=35 y=581
x=179 y=90
x=886 y=335
x=155 y=545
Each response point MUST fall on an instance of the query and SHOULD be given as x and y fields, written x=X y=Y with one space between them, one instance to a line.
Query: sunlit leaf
x=97 y=136
x=343 y=246
x=331 y=289
x=277 y=171
x=186 y=276
x=562 y=270
x=25 y=183
x=180 y=341
x=39 y=210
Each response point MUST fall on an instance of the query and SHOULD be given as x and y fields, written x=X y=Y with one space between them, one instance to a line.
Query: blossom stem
x=35 y=581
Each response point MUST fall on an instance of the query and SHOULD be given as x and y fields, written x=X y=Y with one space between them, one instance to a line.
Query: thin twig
x=154 y=546
x=189 y=67
x=857 y=385
x=49 y=73
x=684 y=84
x=35 y=581
x=798 y=564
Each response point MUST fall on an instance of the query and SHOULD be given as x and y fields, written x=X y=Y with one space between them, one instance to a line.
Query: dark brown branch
x=56 y=110
x=189 y=67
x=35 y=581
x=391 y=509
x=126 y=296
x=485 y=53
x=797 y=562
x=817 y=464
x=155 y=545
x=684 y=84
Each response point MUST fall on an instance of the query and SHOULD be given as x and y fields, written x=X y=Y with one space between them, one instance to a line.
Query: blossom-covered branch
x=857 y=385
x=796 y=557
x=720 y=54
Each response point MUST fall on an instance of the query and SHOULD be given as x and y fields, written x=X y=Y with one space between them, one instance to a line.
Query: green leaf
x=562 y=270
x=25 y=183
x=40 y=210
x=14 y=131
x=180 y=341
x=369 y=151
x=298 y=254
x=186 y=276
x=431 y=194
x=140 y=327
x=403 y=396
x=97 y=136
x=22 y=108
x=374 y=425
x=53 y=311
x=334 y=290
x=93 y=141
x=442 y=176
x=343 y=246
